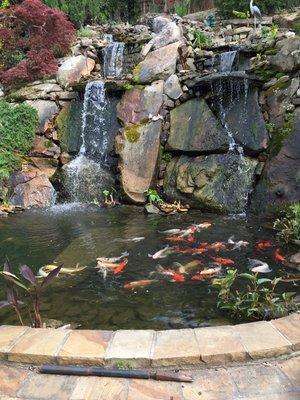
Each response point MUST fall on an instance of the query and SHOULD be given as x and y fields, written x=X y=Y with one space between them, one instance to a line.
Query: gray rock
x=159 y=64
x=139 y=104
x=288 y=56
x=172 y=87
x=35 y=193
x=138 y=147
x=280 y=180
x=194 y=128
x=218 y=182
x=46 y=111
x=73 y=69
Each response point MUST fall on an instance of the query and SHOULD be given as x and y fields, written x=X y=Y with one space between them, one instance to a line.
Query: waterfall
x=227 y=60
x=113 y=57
x=225 y=95
x=87 y=173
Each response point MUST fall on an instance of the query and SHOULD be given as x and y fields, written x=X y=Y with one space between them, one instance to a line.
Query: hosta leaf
x=263 y=280
x=28 y=274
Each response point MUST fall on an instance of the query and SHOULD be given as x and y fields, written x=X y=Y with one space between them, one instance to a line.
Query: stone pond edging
x=147 y=348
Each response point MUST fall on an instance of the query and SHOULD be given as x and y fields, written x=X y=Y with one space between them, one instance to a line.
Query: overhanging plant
x=31 y=285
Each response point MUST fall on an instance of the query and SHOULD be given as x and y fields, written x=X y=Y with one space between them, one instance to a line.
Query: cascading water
x=113 y=57
x=226 y=60
x=87 y=174
x=225 y=95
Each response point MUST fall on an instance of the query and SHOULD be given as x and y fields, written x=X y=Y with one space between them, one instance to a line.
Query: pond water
x=72 y=234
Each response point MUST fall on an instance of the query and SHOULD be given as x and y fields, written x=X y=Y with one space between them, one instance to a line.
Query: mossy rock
x=132 y=133
x=68 y=123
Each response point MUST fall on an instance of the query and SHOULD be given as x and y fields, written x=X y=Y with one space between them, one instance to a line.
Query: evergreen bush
x=17 y=131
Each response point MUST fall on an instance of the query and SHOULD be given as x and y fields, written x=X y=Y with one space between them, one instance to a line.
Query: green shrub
x=201 y=40
x=17 y=129
x=288 y=225
x=182 y=8
x=259 y=299
x=266 y=6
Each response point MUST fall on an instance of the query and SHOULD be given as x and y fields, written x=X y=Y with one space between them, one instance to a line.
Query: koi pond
x=77 y=234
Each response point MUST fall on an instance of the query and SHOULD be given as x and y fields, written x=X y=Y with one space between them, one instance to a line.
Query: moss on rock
x=132 y=133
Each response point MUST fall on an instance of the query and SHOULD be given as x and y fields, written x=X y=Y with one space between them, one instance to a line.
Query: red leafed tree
x=32 y=35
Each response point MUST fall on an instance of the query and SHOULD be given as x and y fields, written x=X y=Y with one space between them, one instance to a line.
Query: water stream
x=113 y=57
x=226 y=60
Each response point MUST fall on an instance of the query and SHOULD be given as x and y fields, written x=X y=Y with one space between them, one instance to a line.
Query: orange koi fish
x=217 y=246
x=177 y=277
x=223 y=261
x=139 y=284
x=263 y=244
x=120 y=267
x=206 y=273
x=278 y=257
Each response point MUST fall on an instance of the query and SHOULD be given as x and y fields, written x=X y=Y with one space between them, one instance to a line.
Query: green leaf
x=248 y=276
x=13 y=279
x=263 y=280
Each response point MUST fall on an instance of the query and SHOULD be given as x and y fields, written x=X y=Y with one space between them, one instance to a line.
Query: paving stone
x=289 y=327
x=47 y=387
x=149 y=390
x=11 y=380
x=8 y=337
x=175 y=347
x=219 y=345
x=214 y=384
x=38 y=346
x=260 y=379
x=274 y=396
x=133 y=346
x=93 y=388
x=84 y=348
x=291 y=368
x=261 y=340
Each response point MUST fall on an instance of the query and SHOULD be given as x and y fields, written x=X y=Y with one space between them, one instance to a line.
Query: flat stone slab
x=220 y=345
x=85 y=348
x=131 y=346
x=262 y=340
x=289 y=327
x=175 y=347
x=146 y=348
x=38 y=346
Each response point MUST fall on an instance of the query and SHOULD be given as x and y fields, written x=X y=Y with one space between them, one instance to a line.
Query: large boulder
x=194 y=128
x=218 y=182
x=244 y=120
x=280 y=181
x=35 y=193
x=159 y=64
x=73 y=69
x=288 y=55
x=139 y=104
x=46 y=111
x=165 y=32
x=138 y=147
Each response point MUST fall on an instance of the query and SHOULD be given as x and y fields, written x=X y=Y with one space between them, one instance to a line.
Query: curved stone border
x=147 y=348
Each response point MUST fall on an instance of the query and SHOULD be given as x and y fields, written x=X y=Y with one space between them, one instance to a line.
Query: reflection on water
x=72 y=234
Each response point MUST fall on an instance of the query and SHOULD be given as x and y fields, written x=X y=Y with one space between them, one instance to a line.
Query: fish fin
x=125 y=254
x=150 y=255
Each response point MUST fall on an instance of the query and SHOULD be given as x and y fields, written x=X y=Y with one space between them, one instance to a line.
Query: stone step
x=146 y=348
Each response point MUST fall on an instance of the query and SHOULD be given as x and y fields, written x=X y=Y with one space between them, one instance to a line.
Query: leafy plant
x=288 y=225
x=182 y=8
x=267 y=31
x=296 y=27
x=32 y=35
x=201 y=39
x=210 y=20
x=241 y=14
x=166 y=156
x=84 y=32
x=258 y=300
x=32 y=287
x=153 y=196
x=109 y=199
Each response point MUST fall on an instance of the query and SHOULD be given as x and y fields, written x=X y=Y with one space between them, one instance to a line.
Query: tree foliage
x=266 y=6
x=32 y=35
